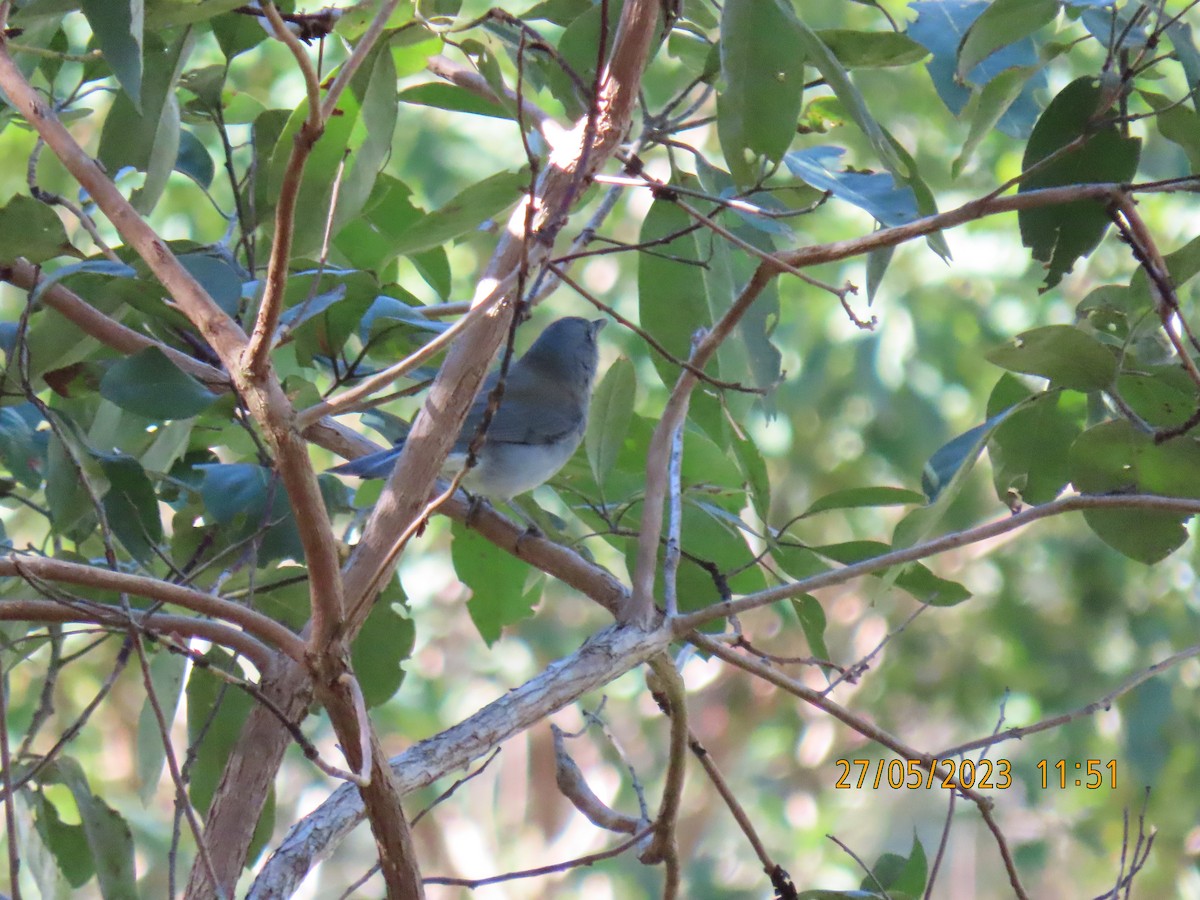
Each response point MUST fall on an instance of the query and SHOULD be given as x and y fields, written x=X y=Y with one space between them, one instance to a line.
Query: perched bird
x=538 y=425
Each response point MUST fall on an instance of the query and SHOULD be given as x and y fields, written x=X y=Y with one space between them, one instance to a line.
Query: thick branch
x=23 y=274
x=591 y=143
x=604 y=657
x=264 y=395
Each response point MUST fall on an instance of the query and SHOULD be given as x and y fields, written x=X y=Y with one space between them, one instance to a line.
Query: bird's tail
x=374 y=465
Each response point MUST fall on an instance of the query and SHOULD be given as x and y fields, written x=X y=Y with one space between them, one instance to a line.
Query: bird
x=538 y=425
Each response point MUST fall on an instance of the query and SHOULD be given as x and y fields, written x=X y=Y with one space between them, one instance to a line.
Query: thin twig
x=164 y=733
x=10 y=800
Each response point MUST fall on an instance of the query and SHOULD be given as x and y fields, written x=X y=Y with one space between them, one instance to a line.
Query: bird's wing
x=525 y=416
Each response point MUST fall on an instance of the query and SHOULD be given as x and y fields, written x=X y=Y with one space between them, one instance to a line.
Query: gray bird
x=538 y=426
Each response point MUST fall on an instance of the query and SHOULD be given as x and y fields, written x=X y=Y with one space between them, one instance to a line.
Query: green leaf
x=217 y=276
x=118 y=26
x=913 y=577
x=321 y=171
x=1177 y=124
x=22 y=448
x=1059 y=235
x=671 y=287
x=216 y=714
x=855 y=498
x=1151 y=720
x=170 y=13
x=166 y=678
x=496 y=580
x=871 y=49
x=68 y=843
x=131 y=507
x=900 y=875
x=763 y=69
x=450 y=97
x=1062 y=353
x=193 y=160
x=31 y=229
x=248 y=499
x=108 y=836
x=875 y=192
x=957 y=456
x=987 y=107
x=1004 y=22
x=374 y=131
x=812 y=622
x=146 y=138
x=386 y=642
x=1163 y=396
x=608 y=419
x=1029 y=450
x=465 y=212
x=1113 y=458
x=819 y=56
x=150 y=385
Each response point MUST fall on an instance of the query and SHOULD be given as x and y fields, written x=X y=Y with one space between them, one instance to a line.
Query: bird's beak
x=597 y=324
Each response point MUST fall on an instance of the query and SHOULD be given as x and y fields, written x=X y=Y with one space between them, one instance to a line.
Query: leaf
x=988 y=108
x=871 y=49
x=31 y=229
x=855 y=498
x=914 y=578
x=465 y=212
x=22 y=446
x=108 y=836
x=248 y=499
x=878 y=261
x=1004 y=22
x=322 y=171
x=671 y=288
x=450 y=97
x=1064 y=354
x=496 y=581
x=217 y=276
x=608 y=418
x=311 y=308
x=877 y=193
x=98 y=266
x=903 y=876
x=1059 y=235
x=957 y=456
x=820 y=57
x=1029 y=450
x=1114 y=457
x=55 y=855
x=216 y=714
x=763 y=69
x=150 y=385
x=118 y=26
x=131 y=507
x=1163 y=396
x=941 y=27
x=374 y=131
x=1150 y=715
x=812 y=622
x=386 y=641
x=1180 y=36
x=193 y=159
x=146 y=137
x=166 y=678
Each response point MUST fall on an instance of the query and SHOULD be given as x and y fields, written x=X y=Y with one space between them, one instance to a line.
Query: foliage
x=320 y=207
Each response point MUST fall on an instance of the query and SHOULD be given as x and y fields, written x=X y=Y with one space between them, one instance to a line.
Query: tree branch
x=254 y=623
